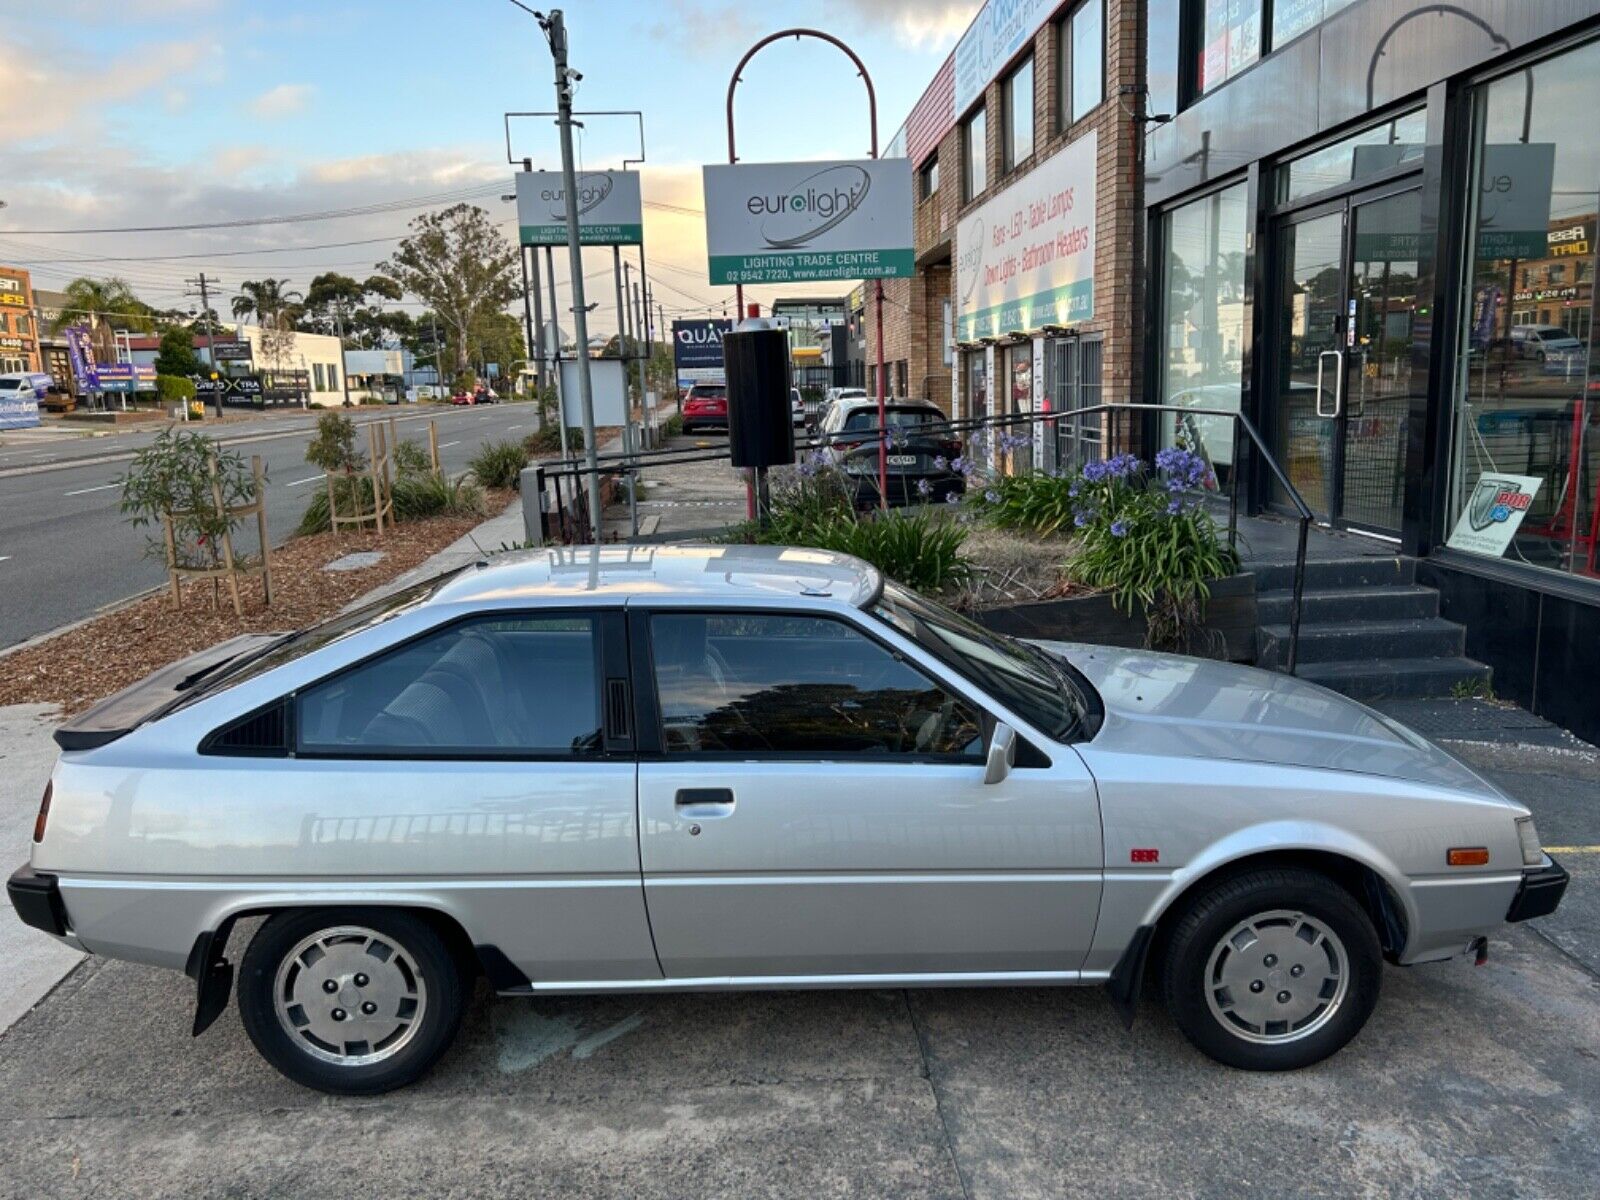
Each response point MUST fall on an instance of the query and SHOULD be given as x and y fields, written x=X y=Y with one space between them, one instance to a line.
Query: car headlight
x=1528 y=836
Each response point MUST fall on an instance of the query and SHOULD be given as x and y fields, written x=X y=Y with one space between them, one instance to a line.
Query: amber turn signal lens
x=44 y=813
x=1468 y=856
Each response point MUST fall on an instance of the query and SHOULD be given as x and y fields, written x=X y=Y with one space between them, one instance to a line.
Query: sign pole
x=733 y=157
x=555 y=352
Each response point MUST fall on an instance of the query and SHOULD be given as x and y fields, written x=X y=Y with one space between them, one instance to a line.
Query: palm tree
x=109 y=300
x=264 y=299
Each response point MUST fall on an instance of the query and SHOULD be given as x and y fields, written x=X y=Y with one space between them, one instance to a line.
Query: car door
x=478 y=763
x=812 y=803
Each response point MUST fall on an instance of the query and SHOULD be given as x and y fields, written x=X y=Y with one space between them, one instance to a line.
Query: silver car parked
x=693 y=768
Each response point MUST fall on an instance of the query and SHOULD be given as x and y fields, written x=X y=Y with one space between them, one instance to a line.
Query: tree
x=332 y=301
x=177 y=356
x=267 y=300
x=110 y=301
x=461 y=266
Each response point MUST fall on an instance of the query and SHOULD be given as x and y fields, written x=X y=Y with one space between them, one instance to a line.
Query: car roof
x=714 y=573
x=852 y=403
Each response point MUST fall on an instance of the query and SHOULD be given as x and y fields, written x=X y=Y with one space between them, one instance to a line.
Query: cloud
x=282 y=101
x=919 y=24
x=75 y=95
x=924 y=25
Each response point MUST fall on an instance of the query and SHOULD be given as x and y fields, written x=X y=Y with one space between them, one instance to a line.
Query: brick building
x=1029 y=217
x=19 y=328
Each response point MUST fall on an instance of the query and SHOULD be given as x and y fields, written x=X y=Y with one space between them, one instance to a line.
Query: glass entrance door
x=1346 y=306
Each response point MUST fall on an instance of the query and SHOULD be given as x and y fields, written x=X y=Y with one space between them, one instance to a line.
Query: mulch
x=91 y=661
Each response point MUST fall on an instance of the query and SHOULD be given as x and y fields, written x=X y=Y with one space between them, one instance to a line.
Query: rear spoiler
x=125 y=711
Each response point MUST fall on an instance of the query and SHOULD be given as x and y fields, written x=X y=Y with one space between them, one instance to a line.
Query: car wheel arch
x=1370 y=887
x=212 y=972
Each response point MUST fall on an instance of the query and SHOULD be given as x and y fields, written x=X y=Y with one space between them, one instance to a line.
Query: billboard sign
x=697 y=350
x=610 y=208
x=995 y=36
x=123 y=377
x=1025 y=259
x=790 y=222
x=231 y=351
x=80 y=355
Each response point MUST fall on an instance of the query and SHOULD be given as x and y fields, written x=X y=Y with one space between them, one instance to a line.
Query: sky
x=174 y=112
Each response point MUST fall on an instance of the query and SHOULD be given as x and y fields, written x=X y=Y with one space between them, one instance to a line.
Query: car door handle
x=704 y=803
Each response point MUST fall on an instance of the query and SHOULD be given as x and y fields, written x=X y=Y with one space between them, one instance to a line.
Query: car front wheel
x=1272 y=970
x=355 y=1001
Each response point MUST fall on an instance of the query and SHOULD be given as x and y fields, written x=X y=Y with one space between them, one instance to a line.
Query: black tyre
x=352 y=1001
x=1272 y=969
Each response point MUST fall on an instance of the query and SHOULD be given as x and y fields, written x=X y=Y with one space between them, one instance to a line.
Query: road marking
x=307 y=479
x=86 y=491
x=4 y=557
x=1572 y=849
x=447 y=445
x=511 y=427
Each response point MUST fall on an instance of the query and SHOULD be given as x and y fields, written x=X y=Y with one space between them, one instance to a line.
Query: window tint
x=496 y=686
x=756 y=683
x=898 y=418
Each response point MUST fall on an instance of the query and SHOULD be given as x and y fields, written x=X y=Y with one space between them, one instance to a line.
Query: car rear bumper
x=37 y=899
x=1540 y=892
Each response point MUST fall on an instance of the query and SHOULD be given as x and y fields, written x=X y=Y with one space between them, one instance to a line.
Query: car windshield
x=1023 y=677
x=710 y=390
x=864 y=419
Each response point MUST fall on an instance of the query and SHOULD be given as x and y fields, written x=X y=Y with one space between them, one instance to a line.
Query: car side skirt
x=758 y=983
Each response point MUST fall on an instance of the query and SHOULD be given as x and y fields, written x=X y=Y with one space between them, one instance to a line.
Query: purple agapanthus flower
x=1119 y=529
x=924 y=488
x=952 y=498
x=992 y=496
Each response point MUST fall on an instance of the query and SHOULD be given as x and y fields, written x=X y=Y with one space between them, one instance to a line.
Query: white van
x=15 y=383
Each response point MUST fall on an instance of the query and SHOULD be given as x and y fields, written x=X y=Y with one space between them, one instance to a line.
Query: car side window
x=743 y=683
x=492 y=686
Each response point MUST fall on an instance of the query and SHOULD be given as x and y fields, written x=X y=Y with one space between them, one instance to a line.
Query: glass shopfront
x=1203 y=299
x=1525 y=451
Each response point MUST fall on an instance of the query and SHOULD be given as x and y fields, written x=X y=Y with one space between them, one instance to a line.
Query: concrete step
x=1397 y=603
x=1362 y=642
x=1400 y=678
x=1326 y=574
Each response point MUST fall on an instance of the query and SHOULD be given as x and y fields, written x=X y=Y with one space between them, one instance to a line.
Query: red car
x=705 y=406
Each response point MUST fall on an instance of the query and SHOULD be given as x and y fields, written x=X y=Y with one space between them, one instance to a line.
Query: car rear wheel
x=1272 y=970
x=353 y=1001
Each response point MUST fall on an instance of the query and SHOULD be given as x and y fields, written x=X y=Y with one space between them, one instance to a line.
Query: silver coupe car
x=686 y=768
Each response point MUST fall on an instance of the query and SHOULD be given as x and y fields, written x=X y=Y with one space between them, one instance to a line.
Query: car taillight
x=44 y=812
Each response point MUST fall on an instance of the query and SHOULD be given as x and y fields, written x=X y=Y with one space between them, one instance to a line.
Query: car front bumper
x=1540 y=892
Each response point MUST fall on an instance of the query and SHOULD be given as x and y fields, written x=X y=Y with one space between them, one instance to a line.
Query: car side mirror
x=1002 y=753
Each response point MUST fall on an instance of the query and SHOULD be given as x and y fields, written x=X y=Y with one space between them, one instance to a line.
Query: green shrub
x=1144 y=538
x=174 y=389
x=411 y=459
x=814 y=506
x=173 y=475
x=334 y=448
x=547 y=440
x=1033 y=503
x=499 y=464
x=416 y=497
x=672 y=426
x=915 y=547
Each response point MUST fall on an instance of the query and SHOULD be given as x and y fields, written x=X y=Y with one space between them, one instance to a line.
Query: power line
x=365 y=210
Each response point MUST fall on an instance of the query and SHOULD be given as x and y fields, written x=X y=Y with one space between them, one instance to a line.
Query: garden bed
x=1227 y=632
x=105 y=654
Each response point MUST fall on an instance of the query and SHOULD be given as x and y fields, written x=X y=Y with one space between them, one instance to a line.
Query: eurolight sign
x=610 y=209
x=1025 y=258
x=789 y=222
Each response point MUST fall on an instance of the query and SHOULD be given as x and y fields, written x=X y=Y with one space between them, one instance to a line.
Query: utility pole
x=204 y=285
x=531 y=314
x=344 y=376
x=438 y=356
x=555 y=29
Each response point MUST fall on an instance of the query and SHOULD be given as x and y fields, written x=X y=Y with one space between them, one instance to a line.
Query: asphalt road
x=1466 y=1082
x=66 y=552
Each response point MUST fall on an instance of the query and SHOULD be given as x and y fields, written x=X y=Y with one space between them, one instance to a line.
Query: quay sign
x=697 y=350
x=789 y=222
x=610 y=208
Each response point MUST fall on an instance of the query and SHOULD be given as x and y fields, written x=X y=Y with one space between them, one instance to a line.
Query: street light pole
x=556 y=31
